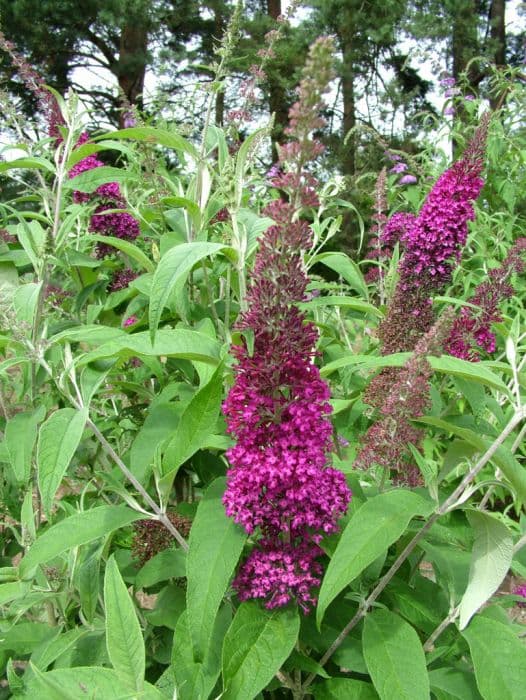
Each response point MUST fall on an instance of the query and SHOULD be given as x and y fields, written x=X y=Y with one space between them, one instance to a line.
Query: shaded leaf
x=394 y=657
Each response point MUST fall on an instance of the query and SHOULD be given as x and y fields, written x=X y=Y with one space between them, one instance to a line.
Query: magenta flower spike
x=280 y=486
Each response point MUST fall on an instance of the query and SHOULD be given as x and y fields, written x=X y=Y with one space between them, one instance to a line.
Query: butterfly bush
x=108 y=198
x=471 y=332
x=280 y=485
x=386 y=443
x=432 y=244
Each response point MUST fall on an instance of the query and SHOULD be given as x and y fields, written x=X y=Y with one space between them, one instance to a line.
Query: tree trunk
x=497 y=31
x=277 y=98
x=219 y=28
x=349 y=109
x=131 y=67
x=464 y=47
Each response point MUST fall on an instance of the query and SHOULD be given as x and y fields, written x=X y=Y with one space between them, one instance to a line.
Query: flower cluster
x=280 y=486
x=521 y=590
x=107 y=219
x=471 y=332
x=151 y=537
x=386 y=443
x=432 y=244
x=36 y=84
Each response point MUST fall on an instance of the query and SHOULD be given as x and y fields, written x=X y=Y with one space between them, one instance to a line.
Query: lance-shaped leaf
x=173 y=268
x=394 y=657
x=58 y=439
x=20 y=438
x=499 y=658
x=215 y=545
x=78 y=529
x=372 y=529
x=256 y=645
x=491 y=560
x=123 y=633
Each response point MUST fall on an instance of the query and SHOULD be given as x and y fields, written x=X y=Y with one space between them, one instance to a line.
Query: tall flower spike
x=280 y=486
x=386 y=443
x=105 y=220
x=471 y=333
x=432 y=245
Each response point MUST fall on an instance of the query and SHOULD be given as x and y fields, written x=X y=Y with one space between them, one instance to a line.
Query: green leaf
x=25 y=301
x=499 y=658
x=371 y=530
x=394 y=657
x=20 y=438
x=246 y=151
x=344 y=689
x=366 y=362
x=49 y=651
x=12 y=590
x=491 y=560
x=503 y=457
x=215 y=545
x=474 y=371
x=349 y=302
x=163 y=137
x=24 y=637
x=90 y=334
x=256 y=645
x=129 y=249
x=83 y=681
x=180 y=343
x=161 y=421
x=78 y=529
x=28 y=163
x=197 y=680
x=123 y=633
x=170 y=563
x=345 y=267
x=88 y=577
x=174 y=267
x=89 y=180
x=196 y=425
x=453 y=684
x=58 y=439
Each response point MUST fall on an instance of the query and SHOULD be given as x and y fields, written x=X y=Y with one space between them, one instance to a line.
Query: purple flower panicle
x=471 y=333
x=386 y=443
x=105 y=220
x=280 y=486
x=432 y=245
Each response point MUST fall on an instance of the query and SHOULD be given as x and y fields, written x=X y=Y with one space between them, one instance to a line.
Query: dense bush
x=238 y=464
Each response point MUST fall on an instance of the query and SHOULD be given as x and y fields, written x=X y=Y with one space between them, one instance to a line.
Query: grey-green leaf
x=499 y=658
x=195 y=427
x=344 y=689
x=20 y=438
x=215 y=545
x=84 y=681
x=491 y=560
x=371 y=530
x=124 y=639
x=76 y=530
x=256 y=645
x=58 y=439
x=194 y=680
x=180 y=343
x=394 y=657
x=174 y=266
x=454 y=683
